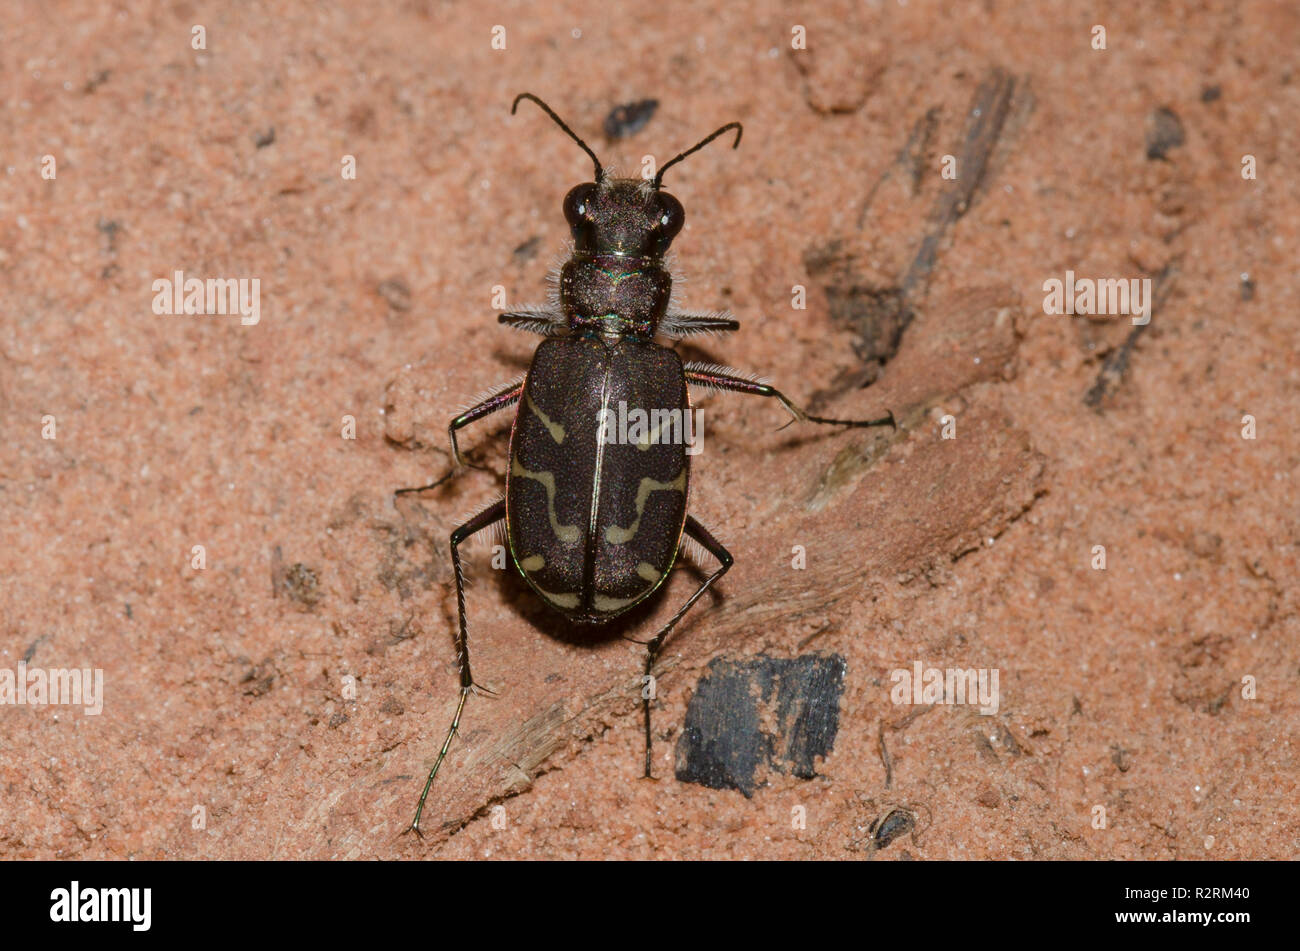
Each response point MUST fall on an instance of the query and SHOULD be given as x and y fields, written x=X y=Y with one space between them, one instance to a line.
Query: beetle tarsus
x=425 y=488
x=485 y=519
x=716 y=379
x=858 y=423
x=442 y=754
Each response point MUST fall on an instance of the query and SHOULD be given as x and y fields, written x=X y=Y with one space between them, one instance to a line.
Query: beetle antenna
x=560 y=122
x=740 y=130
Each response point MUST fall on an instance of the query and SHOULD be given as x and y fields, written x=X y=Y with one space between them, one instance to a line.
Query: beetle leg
x=720 y=378
x=700 y=534
x=543 y=322
x=498 y=399
x=681 y=325
x=494 y=513
x=507 y=395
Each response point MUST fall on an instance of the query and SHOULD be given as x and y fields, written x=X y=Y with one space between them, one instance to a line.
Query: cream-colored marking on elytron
x=649 y=572
x=665 y=419
x=617 y=536
x=560 y=600
x=533 y=563
x=565 y=533
x=554 y=428
x=604 y=604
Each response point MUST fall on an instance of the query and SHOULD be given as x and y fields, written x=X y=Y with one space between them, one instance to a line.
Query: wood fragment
x=1115 y=366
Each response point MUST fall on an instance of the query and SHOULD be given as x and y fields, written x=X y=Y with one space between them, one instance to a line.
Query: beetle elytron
x=593 y=526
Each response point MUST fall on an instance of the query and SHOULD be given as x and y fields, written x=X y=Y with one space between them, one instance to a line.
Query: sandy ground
x=286 y=698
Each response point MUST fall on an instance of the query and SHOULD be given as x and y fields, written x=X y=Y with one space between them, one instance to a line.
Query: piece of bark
x=727 y=741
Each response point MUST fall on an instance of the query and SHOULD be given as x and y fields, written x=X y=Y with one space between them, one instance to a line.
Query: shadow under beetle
x=596 y=526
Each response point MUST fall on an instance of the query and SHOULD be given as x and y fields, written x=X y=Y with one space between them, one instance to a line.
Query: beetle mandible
x=592 y=525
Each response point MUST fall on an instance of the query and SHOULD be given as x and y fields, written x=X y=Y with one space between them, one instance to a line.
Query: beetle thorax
x=613 y=296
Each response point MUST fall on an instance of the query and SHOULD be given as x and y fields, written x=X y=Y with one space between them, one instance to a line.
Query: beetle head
x=623 y=216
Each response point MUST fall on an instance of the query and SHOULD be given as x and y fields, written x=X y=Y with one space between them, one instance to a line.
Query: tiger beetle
x=595 y=526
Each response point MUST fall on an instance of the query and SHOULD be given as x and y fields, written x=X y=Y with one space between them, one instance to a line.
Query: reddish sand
x=286 y=699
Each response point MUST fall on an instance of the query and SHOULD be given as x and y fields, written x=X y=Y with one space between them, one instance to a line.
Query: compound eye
x=671 y=215
x=577 y=204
